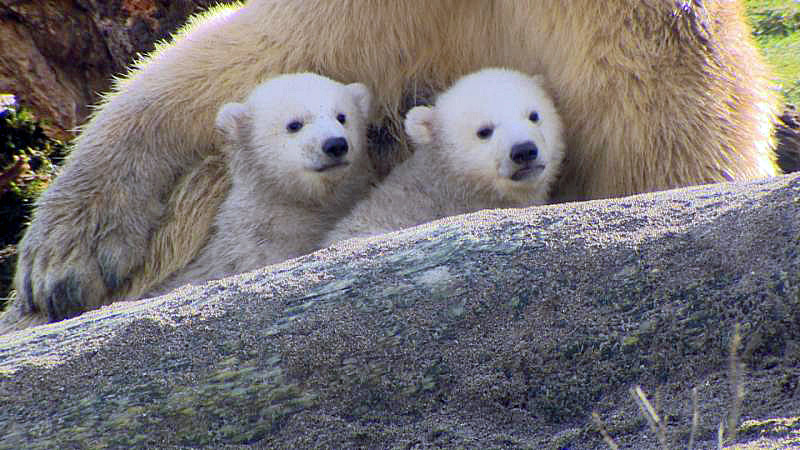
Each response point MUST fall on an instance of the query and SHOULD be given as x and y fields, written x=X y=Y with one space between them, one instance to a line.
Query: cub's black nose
x=524 y=152
x=335 y=147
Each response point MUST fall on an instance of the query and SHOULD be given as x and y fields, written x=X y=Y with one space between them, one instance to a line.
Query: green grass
x=776 y=26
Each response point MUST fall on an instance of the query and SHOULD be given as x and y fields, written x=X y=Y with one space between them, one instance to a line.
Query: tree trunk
x=59 y=55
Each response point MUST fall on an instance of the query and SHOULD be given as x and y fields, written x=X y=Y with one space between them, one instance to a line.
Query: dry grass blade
x=737 y=387
x=650 y=414
x=606 y=437
x=695 y=418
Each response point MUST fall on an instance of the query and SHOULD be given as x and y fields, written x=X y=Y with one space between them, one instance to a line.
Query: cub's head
x=303 y=133
x=498 y=130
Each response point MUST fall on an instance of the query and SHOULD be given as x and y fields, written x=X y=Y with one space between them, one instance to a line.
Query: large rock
x=496 y=329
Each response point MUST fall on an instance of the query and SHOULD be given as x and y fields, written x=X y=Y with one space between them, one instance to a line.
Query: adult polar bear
x=654 y=94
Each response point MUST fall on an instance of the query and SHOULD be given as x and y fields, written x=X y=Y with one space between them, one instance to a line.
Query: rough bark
x=500 y=329
x=59 y=55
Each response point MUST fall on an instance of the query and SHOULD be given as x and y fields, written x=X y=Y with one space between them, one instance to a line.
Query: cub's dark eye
x=294 y=126
x=534 y=117
x=341 y=118
x=485 y=132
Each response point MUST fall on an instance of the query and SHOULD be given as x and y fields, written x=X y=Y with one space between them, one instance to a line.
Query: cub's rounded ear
x=229 y=118
x=419 y=124
x=362 y=97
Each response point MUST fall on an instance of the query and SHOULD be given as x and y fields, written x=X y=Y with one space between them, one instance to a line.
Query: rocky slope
x=502 y=329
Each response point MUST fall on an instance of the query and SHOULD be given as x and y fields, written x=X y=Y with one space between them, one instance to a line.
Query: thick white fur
x=654 y=94
x=280 y=204
x=454 y=171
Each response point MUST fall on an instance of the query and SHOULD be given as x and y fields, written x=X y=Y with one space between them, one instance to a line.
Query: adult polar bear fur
x=297 y=162
x=654 y=94
x=492 y=140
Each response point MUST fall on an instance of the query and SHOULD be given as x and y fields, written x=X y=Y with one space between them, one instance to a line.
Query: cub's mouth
x=333 y=165
x=527 y=171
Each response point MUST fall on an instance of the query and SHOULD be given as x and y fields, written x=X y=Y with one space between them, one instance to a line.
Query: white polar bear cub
x=297 y=160
x=493 y=140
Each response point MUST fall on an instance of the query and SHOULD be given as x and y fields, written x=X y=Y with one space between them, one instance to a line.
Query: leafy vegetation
x=776 y=27
x=29 y=161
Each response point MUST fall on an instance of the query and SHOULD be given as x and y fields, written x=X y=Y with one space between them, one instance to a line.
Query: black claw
x=109 y=273
x=65 y=299
x=27 y=291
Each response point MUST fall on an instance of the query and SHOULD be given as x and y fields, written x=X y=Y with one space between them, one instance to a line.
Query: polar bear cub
x=297 y=160
x=493 y=140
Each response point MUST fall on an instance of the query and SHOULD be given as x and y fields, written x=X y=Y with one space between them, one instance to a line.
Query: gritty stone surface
x=500 y=329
